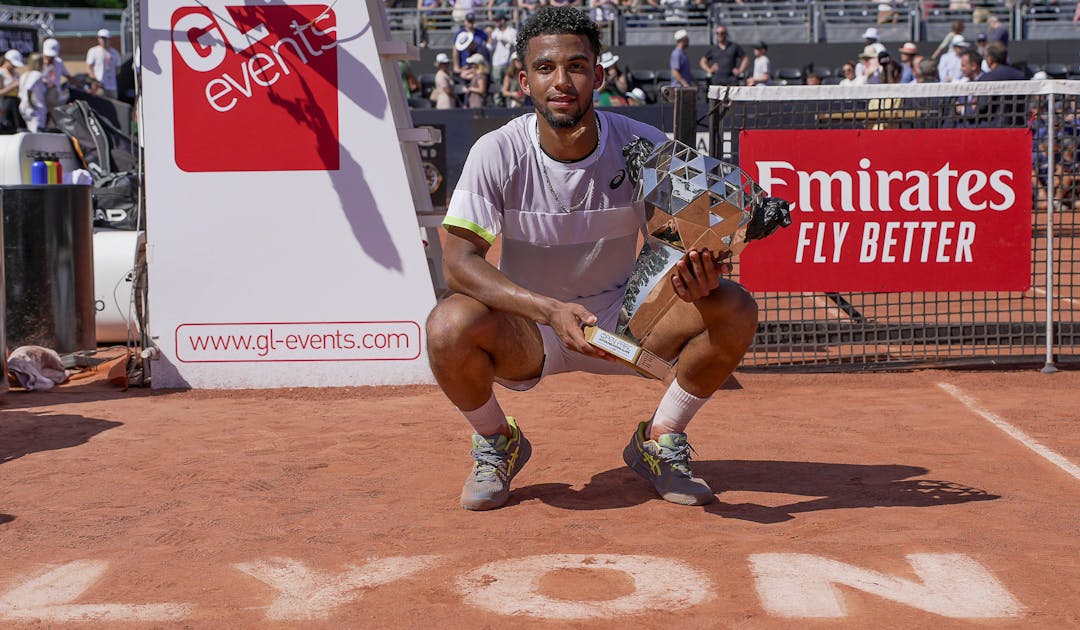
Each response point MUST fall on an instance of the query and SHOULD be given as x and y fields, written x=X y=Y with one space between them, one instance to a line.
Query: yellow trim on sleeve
x=470 y=226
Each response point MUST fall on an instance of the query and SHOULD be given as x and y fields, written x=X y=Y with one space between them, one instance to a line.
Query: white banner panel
x=283 y=246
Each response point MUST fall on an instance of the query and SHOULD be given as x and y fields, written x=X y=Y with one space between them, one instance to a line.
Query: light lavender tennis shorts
x=558 y=358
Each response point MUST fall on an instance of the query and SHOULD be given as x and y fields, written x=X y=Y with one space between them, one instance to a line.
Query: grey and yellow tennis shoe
x=497 y=459
x=665 y=463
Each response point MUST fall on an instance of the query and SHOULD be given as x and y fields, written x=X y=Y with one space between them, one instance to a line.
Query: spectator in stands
x=996 y=57
x=967 y=106
x=762 y=69
x=927 y=71
x=679 y=62
x=868 y=63
x=613 y=76
x=998 y=32
x=726 y=61
x=887 y=71
x=1076 y=14
x=443 y=92
x=102 y=62
x=886 y=12
x=813 y=79
x=946 y=42
x=513 y=95
x=676 y=10
x=463 y=9
x=10 y=120
x=478 y=74
x=469 y=41
x=428 y=11
x=32 y=94
x=970 y=66
x=604 y=11
x=528 y=7
x=850 y=77
x=980 y=47
x=909 y=62
x=501 y=43
x=949 y=63
x=636 y=96
x=872 y=38
x=55 y=73
x=408 y=79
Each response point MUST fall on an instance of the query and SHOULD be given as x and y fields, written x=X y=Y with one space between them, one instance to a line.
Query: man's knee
x=731 y=307
x=454 y=322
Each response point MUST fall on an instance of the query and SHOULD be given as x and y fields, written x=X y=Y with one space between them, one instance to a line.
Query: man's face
x=969 y=69
x=849 y=71
x=721 y=35
x=469 y=25
x=560 y=75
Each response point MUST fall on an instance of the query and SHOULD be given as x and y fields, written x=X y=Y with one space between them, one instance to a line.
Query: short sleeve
x=477 y=204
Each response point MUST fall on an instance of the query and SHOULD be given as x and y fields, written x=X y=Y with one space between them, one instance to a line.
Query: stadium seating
x=1056 y=70
x=788 y=76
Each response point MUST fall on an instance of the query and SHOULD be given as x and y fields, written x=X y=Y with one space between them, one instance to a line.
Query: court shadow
x=826 y=486
x=26 y=432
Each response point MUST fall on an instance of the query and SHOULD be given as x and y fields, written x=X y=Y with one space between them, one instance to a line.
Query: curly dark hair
x=560 y=20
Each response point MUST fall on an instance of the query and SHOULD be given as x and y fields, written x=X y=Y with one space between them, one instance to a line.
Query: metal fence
x=806 y=21
x=865 y=331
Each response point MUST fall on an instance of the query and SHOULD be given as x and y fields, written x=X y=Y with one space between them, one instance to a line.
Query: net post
x=1048 y=367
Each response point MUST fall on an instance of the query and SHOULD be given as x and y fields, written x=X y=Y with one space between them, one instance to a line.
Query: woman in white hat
x=10 y=121
x=32 y=90
x=443 y=92
x=478 y=72
x=55 y=73
x=102 y=61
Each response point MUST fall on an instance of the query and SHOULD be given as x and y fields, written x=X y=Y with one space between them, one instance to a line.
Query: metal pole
x=685 y=125
x=1049 y=368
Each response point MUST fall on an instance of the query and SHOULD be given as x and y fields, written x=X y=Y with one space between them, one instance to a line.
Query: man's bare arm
x=468 y=272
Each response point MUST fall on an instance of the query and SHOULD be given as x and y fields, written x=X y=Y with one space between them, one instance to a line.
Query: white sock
x=676 y=409
x=488 y=419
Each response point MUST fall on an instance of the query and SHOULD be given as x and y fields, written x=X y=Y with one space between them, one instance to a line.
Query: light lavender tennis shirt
x=551 y=244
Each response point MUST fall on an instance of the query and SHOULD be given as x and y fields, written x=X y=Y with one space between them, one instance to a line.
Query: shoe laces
x=490 y=461
x=677 y=456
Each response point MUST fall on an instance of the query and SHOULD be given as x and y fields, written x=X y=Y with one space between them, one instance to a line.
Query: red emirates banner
x=893 y=210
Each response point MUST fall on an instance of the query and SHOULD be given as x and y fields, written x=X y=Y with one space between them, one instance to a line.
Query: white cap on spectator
x=476 y=58
x=608 y=59
x=681 y=34
x=637 y=93
x=441 y=58
x=463 y=40
x=1040 y=75
x=15 y=57
x=959 y=40
x=104 y=33
x=50 y=48
x=871 y=33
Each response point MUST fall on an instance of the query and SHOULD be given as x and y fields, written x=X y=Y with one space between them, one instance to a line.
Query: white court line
x=1049 y=454
x=1042 y=293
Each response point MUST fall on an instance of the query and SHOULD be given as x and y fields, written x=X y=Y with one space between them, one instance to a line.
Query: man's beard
x=568 y=121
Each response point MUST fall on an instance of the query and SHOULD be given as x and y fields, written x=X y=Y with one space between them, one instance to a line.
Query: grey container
x=49 y=267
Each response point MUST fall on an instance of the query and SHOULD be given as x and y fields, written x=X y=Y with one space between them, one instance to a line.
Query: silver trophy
x=692 y=201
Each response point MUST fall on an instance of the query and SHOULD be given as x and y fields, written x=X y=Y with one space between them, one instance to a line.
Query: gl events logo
x=255 y=88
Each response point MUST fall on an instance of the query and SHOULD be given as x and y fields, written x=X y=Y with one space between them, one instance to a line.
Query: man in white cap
x=54 y=72
x=501 y=44
x=10 y=121
x=679 y=62
x=949 y=64
x=871 y=36
x=103 y=61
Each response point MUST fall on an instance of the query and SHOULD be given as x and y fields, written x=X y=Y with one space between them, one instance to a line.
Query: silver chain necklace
x=547 y=178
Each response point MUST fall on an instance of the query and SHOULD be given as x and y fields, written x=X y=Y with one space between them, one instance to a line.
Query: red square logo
x=255 y=88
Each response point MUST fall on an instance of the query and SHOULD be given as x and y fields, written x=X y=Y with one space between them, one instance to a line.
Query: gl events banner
x=282 y=242
x=893 y=210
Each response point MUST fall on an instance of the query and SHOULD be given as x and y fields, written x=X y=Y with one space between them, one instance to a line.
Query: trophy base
x=628 y=352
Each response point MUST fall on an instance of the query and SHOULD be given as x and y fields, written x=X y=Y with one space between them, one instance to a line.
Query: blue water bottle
x=39 y=172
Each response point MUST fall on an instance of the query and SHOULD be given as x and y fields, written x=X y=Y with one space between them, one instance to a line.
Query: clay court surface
x=338 y=508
